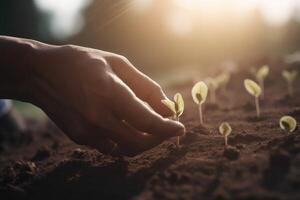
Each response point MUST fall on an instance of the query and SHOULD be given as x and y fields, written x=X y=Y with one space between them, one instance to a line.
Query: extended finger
x=143 y=86
x=137 y=114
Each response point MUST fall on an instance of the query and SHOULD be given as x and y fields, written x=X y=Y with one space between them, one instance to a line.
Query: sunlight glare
x=65 y=15
x=179 y=23
x=142 y=5
x=277 y=12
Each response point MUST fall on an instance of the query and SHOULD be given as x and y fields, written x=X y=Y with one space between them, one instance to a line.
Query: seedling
x=288 y=123
x=253 y=89
x=290 y=76
x=225 y=130
x=223 y=80
x=199 y=94
x=177 y=107
x=213 y=84
x=261 y=75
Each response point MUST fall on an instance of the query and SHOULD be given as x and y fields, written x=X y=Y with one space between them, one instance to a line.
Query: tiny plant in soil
x=223 y=80
x=177 y=107
x=213 y=84
x=225 y=130
x=199 y=94
x=261 y=75
x=288 y=123
x=290 y=76
x=253 y=89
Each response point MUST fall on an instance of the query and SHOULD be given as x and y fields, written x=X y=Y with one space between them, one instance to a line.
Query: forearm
x=16 y=62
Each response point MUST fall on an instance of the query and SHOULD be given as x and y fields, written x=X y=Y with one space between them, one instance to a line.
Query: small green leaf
x=212 y=83
x=177 y=107
x=223 y=79
x=288 y=123
x=199 y=97
x=199 y=92
x=170 y=104
x=262 y=73
x=252 y=87
x=179 y=104
x=289 y=76
x=225 y=129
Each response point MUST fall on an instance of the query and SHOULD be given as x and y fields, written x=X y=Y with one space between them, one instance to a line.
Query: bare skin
x=97 y=98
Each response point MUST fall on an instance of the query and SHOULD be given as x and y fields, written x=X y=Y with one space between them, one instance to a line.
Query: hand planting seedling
x=199 y=94
x=288 y=123
x=225 y=130
x=290 y=76
x=177 y=107
x=213 y=84
x=253 y=89
x=261 y=75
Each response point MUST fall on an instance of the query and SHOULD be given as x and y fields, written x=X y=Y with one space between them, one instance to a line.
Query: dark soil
x=261 y=162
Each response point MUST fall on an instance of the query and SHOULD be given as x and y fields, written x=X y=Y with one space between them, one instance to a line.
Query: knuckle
x=154 y=91
x=122 y=59
x=156 y=88
x=72 y=51
x=117 y=60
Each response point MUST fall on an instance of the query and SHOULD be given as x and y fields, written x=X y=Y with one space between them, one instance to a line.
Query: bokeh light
x=65 y=15
x=277 y=12
x=141 y=5
x=179 y=23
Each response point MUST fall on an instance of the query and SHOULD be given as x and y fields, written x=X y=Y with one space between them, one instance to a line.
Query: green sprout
x=199 y=94
x=290 y=76
x=213 y=85
x=288 y=123
x=253 y=89
x=225 y=130
x=261 y=75
x=177 y=107
x=223 y=80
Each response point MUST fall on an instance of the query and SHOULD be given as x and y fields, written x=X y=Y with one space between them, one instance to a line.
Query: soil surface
x=262 y=161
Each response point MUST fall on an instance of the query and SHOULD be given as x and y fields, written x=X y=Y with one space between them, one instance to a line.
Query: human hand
x=98 y=99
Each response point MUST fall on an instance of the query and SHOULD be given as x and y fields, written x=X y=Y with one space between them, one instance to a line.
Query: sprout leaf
x=179 y=104
x=199 y=92
x=288 y=123
x=223 y=79
x=177 y=107
x=170 y=104
x=225 y=129
x=289 y=76
x=262 y=73
x=213 y=83
x=252 y=87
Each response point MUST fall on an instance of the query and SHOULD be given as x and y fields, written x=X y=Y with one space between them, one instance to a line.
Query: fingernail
x=164 y=95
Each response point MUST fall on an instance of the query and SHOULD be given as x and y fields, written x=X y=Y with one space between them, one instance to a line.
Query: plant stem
x=262 y=85
x=213 y=96
x=200 y=113
x=290 y=89
x=226 y=141
x=224 y=89
x=257 y=106
x=178 y=137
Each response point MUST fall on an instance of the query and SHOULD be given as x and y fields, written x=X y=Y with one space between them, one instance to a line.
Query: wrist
x=17 y=62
